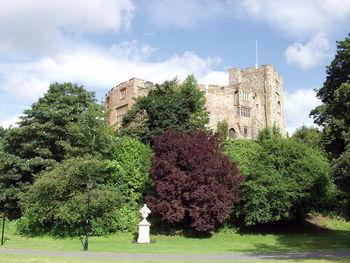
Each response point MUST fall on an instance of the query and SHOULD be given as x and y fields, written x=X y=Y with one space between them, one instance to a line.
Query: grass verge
x=11 y=258
x=309 y=238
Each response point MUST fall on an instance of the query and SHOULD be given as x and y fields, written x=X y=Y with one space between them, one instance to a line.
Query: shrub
x=285 y=179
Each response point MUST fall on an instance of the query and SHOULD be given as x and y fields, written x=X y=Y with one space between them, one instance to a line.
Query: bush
x=285 y=179
x=195 y=185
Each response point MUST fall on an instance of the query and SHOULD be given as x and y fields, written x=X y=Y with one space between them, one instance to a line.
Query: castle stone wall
x=253 y=100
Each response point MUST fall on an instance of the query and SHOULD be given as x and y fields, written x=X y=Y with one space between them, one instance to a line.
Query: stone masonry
x=252 y=101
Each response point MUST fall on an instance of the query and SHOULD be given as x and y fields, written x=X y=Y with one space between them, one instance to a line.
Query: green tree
x=269 y=133
x=333 y=114
x=130 y=175
x=310 y=136
x=2 y=132
x=222 y=130
x=341 y=175
x=169 y=106
x=65 y=122
x=285 y=179
x=57 y=201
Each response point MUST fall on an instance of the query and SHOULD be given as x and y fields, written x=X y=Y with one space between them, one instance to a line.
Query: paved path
x=202 y=257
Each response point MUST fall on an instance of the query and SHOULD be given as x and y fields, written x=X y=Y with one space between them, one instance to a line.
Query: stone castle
x=253 y=100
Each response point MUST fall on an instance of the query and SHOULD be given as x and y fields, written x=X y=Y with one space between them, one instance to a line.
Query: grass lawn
x=10 y=258
x=328 y=234
x=219 y=243
x=334 y=234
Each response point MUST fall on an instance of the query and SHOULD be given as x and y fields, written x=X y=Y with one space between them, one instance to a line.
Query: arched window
x=232 y=134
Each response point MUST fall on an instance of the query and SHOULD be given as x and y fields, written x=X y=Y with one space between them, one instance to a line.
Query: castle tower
x=252 y=101
x=121 y=97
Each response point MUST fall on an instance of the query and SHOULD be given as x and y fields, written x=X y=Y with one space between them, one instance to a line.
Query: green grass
x=336 y=223
x=219 y=243
x=308 y=238
x=11 y=258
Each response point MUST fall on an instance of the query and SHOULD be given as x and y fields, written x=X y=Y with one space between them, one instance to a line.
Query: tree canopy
x=194 y=183
x=333 y=114
x=285 y=179
x=65 y=122
x=310 y=136
x=169 y=106
x=341 y=175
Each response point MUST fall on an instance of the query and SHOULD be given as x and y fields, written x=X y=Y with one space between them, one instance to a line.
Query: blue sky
x=100 y=43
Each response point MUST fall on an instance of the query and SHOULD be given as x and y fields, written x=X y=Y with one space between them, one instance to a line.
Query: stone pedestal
x=144 y=227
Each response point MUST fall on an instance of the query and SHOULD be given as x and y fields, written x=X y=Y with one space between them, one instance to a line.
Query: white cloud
x=39 y=26
x=23 y=81
x=131 y=50
x=183 y=13
x=297 y=17
x=12 y=121
x=215 y=78
x=298 y=106
x=309 y=54
x=98 y=69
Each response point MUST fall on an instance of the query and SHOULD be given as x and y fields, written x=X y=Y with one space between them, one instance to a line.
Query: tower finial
x=256 y=55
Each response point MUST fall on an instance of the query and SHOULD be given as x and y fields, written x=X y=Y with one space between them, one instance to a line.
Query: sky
x=100 y=43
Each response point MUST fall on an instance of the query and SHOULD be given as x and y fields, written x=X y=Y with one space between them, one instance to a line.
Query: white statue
x=144 y=211
x=144 y=225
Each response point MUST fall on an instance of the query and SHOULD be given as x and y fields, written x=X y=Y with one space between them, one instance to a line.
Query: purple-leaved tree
x=194 y=183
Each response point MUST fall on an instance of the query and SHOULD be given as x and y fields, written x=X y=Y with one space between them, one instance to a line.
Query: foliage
x=310 y=136
x=337 y=72
x=195 y=185
x=285 y=179
x=65 y=122
x=269 y=133
x=245 y=153
x=333 y=114
x=90 y=135
x=130 y=175
x=2 y=132
x=222 y=130
x=57 y=201
x=169 y=106
x=341 y=175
